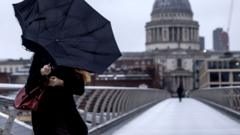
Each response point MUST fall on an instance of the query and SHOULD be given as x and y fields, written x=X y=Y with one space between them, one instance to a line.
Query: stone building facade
x=172 y=26
x=172 y=36
x=172 y=44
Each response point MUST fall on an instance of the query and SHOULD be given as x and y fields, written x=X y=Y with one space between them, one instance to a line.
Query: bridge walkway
x=170 y=117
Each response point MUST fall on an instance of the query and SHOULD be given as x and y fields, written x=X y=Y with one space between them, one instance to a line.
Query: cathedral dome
x=172 y=6
x=172 y=27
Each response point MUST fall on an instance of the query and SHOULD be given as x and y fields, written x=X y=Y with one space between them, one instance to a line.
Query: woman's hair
x=86 y=75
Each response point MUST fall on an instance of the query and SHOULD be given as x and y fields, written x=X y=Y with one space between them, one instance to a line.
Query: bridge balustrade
x=228 y=97
x=98 y=106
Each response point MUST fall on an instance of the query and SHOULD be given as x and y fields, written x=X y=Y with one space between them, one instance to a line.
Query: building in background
x=220 y=40
x=14 y=71
x=172 y=27
x=172 y=36
x=5 y=78
x=132 y=70
x=220 y=70
x=174 y=50
x=202 y=43
x=13 y=66
x=196 y=73
x=172 y=47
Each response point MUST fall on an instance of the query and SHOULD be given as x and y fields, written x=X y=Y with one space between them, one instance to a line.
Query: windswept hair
x=86 y=75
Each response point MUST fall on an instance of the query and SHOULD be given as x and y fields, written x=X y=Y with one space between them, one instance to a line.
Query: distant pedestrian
x=180 y=92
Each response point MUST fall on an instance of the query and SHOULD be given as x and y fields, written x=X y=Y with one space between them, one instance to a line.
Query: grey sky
x=128 y=19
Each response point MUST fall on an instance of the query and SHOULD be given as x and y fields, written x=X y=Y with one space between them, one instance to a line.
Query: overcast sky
x=128 y=19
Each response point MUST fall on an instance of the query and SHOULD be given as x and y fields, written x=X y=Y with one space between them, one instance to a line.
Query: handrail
x=228 y=97
x=222 y=88
x=99 y=105
x=15 y=87
x=9 y=86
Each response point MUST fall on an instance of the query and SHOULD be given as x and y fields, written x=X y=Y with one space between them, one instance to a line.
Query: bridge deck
x=190 y=117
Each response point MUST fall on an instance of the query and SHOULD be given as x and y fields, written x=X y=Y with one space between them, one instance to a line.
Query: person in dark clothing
x=57 y=113
x=180 y=92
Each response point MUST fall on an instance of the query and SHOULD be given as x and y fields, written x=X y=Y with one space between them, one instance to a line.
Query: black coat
x=57 y=113
x=180 y=91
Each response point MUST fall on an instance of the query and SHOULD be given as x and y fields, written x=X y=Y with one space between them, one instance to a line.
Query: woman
x=57 y=113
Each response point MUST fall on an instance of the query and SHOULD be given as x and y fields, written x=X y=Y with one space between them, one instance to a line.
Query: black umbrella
x=71 y=31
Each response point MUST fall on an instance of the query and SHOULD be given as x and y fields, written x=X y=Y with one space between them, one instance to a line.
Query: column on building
x=183 y=34
x=151 y=31
x=190 y=83
x=190 y=34
x=176 y=83
x=148 y=36
x=151 y=35
x=187 y=83
x=184 y=82
x=165 y=33
x=186 y=34
x=160 y=34
x=196 y=35
x=157 y=34
x=180 y=34
x=154 y=35
x=193 y=34
x=170 y=33
x=173 y=34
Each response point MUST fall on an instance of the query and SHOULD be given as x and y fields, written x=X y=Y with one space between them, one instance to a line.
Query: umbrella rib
x=93 y=51
x=57 y=6
x=29 y=13
x=90 y=32
x=67 y=14
x=73 y=17
x=47 y=29
x=96 y=53
x=45 y=24
x=55 y=23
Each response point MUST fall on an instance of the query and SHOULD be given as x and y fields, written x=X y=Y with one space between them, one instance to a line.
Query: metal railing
x=228 y=97
x=98 y=106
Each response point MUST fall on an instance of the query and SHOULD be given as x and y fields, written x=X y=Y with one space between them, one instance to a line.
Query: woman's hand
x=46 y=70
x=54 y=81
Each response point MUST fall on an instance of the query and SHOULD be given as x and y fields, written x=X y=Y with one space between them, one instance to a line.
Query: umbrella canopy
x=71 y=31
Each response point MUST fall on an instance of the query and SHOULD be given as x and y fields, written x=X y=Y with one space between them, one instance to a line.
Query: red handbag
x=24 y=101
